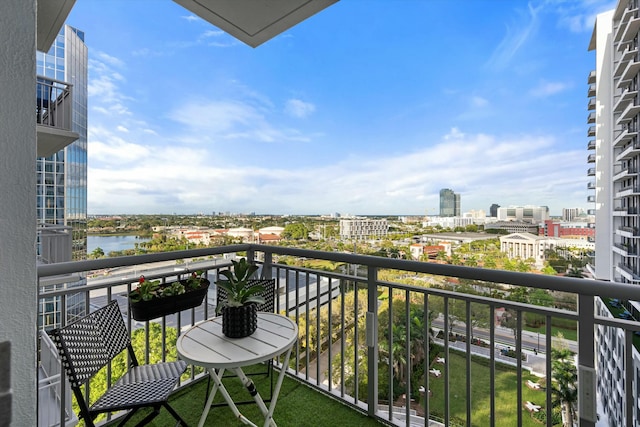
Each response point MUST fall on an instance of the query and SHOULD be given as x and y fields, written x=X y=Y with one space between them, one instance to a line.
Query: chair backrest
x=268 y=294
x=90 y=343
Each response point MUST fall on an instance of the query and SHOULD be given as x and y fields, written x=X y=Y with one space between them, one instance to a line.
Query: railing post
x=372 y=340
x=267 y=265
x=586 y=365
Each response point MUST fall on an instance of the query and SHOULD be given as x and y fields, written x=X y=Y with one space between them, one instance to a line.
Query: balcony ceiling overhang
x=255 y=21
x=51 y=17
x=51 y=140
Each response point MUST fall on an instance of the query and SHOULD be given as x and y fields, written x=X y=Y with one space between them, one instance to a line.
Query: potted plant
x=239 y=296
x=152 y=299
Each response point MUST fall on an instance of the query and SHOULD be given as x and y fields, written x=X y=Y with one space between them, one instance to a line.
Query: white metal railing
x=370 y=315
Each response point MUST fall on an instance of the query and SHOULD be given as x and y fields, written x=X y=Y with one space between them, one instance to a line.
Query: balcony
x=591 y=145
x=630 y=151
x=624 y=136
x=628 y=232
x=53 y=116
x=591 y=186
x=591 y=92
x=627 y=31
x=591 y=131
x=623 y=172
x=591 y=172
x=591 y=78
x=591 y=118
x=625 y=98
x=631 y=190
x=625 y=250
x=364 y=324
x=630 y=111
x=591 y=199
x=591 y=158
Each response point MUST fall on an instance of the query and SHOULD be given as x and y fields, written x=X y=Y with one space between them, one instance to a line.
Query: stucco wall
x=18 y=291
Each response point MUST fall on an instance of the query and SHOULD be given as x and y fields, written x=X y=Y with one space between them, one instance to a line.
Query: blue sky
x=368 y=107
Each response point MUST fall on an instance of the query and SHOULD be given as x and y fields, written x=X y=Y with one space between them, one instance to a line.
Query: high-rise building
x=493 y=210
x=614 y=120
x=363 y=228
x=449 y=203
x=61 y=198
x=532 y=214
x=570 y=214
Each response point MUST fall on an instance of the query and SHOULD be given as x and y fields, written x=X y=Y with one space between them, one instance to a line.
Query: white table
x=205 y=345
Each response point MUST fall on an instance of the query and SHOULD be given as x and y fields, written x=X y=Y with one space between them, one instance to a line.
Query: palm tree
x=575 y=272
x=563 y=386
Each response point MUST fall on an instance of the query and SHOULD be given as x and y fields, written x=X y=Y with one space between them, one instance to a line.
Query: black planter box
x=158 y=307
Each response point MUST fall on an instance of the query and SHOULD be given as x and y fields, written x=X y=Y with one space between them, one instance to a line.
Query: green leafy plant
x=175 y=288
x=151 y=289
x=237 y=284
x=146 y=290
x=195 y=279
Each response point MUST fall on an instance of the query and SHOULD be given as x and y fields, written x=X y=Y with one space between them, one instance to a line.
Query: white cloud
x=299 y=108
x=483 y=168
x=545 y=89
x=122 y=129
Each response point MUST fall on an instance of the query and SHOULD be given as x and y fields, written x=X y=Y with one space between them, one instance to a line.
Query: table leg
x=268 y=413
x=214 y=389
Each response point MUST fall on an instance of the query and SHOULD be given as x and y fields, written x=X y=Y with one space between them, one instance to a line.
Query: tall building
x=571 y=214
x=493 y=210
x=614 y=157
x=61 y=195
x=449 y=203
x=363 y=228
x=532 y=214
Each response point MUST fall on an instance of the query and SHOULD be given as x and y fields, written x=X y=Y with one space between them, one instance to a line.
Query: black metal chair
x=90 y=343
x=269 y=295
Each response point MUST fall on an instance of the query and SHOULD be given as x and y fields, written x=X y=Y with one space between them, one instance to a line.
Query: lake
x=112 y=243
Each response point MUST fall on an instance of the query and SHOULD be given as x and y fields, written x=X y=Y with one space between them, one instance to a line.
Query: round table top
x=205 y=345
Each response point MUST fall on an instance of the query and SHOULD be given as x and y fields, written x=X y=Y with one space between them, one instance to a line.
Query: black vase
x=239 y=322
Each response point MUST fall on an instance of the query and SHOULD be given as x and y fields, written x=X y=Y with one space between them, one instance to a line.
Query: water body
x=113 y=243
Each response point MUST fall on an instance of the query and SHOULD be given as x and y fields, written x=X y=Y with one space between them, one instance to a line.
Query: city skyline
x=367 y=116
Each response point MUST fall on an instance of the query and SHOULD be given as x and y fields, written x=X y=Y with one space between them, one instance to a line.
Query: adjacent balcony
x=54 y=110
x=629 y=29
x=591 y=131
x=591 y=172
x=591 y=158
x=591 y=199
x=591 y=144
x=624 y=136
x=625 y=250
x=591 y=92
x=380 y=335
x=623 y=172
x=631 y=190
x=591 y=118
x=591 y=78
x=629 y=232
x=591 y=185
x=625 y=98
x=630 y=151
x=631 y=110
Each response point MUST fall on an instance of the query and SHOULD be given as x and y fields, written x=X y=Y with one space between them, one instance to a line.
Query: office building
x=363 y=228
x=61 y=177
x=449 y=203
x=571 y=214
x=614 y=157
x=493 y=210
x=532 y=214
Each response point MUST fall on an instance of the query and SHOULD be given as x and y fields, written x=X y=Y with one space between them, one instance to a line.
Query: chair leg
x=146 y=420
x=175 y=414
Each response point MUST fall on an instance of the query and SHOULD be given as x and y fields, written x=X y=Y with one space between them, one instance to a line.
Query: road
x=530 y=340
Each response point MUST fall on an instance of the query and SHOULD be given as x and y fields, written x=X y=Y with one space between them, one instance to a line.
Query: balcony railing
x=53 y=103
x=373 y=353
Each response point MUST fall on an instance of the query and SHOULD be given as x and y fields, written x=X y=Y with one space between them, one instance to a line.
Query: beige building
x=525 y=246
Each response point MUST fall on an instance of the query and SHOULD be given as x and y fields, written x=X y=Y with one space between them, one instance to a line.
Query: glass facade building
x=449 y=203
x=61 y=196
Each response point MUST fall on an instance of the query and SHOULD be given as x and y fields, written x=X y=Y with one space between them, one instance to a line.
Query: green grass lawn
x=298 y=405
x=505 y=400
x=568 y=334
